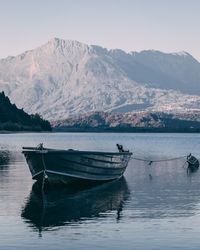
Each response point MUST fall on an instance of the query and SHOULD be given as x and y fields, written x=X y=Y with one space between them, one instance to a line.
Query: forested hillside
x=14 y=119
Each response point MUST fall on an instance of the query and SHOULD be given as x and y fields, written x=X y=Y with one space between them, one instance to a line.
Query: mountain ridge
x=64 y=77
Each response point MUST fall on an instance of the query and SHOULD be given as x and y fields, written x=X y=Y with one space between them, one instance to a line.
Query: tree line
x=14 y=119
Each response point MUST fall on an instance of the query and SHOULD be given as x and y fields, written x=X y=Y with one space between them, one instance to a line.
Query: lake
x=155 y=206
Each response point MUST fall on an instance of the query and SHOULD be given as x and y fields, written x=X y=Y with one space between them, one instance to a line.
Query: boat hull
x=69 y=166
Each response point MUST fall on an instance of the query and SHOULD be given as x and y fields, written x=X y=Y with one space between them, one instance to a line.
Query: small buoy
x=193 y=163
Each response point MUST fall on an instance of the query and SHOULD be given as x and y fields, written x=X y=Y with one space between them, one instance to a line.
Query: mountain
x=14 y=119
x=178 y=71
x=130 y=122
x=63 y=78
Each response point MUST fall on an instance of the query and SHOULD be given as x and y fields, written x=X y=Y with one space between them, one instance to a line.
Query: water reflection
x=8 y=157
x=4 y=159
x=61 y=206
x=171 y=192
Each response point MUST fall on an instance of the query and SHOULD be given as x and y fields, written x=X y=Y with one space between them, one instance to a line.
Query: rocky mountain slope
x=63 y=78
x=178 y=71
x=130 y=121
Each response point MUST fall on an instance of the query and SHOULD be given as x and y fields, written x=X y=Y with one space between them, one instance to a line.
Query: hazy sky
x=132 y=25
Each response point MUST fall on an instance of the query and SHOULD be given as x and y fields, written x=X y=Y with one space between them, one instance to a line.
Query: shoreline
x=24 y=132
x=108 y=130
x=126 y=130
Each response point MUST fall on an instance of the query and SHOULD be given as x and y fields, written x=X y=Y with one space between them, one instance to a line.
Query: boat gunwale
x=48 y=150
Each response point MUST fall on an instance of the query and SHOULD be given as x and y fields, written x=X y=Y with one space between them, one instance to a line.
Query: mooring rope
x=161 y=160
x=44 y=165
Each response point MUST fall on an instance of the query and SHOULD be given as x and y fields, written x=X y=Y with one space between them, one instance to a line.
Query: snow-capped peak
x=65 y=77
x=57 y=42
x=181 y=53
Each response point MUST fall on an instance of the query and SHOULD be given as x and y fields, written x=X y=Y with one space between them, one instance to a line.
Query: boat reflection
x=61 y=206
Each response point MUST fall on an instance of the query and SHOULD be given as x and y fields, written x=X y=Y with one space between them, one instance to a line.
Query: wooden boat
x=193 y=163
x=69 y=166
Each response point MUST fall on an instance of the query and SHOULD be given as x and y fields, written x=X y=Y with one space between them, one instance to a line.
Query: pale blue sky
x=132 y=25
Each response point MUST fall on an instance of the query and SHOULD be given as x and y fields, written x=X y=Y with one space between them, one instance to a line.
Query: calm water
x=153 y=207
